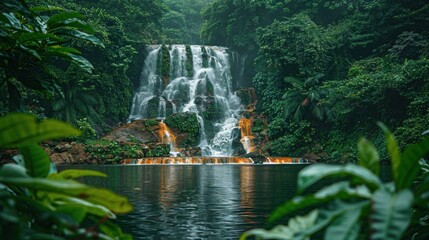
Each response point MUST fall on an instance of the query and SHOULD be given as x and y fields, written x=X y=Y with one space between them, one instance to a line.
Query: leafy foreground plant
x=37 y=202
x=361 y=205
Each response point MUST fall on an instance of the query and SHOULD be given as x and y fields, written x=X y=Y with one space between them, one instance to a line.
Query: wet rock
x=257 y=158
x=142 y=131
x=247 y=96
x=62 y=147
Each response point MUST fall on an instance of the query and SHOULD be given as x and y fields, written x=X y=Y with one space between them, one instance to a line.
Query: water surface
x=198 y=201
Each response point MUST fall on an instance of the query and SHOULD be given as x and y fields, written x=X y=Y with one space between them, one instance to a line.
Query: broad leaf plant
x=359 y=205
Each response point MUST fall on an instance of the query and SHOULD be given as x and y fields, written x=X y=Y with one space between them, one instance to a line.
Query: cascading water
x=167 y=136
x=246 y=135
x=195 y=79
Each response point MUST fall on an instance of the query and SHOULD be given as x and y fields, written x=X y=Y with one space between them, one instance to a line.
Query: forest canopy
x=324 y=71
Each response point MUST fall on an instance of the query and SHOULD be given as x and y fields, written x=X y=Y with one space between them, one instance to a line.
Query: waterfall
x=191 y=79
x=167 y=136
x=246 y=135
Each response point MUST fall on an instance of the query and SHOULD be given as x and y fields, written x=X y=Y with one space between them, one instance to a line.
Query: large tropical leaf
x=409 y=165
x=72 y=23
x=81 y=35
x=13 y=170
x=76 y=173
x=114 y=231
x=329 y=218
x=70 y=56
x=391 y=214
x=67 y=188
x=346 y=226
x=293 y=231
x=314 y=173
x=37 y=36
x=63 y=16
x=19 y=130
x=94 y=209
x=36 y=160
x=368 y=156
x=337 y=191
x=395 y=155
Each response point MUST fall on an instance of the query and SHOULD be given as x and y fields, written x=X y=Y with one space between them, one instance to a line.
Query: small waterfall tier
x=198 y=79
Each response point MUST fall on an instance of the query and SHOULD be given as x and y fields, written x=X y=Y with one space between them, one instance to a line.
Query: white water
x=190 y=94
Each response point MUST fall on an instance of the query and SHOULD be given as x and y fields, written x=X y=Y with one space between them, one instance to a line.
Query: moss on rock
x=186 y=128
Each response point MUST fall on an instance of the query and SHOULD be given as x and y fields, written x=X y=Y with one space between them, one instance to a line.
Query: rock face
x=259 y=137
x=138 y=139
x=142 y=131
x=247 y=97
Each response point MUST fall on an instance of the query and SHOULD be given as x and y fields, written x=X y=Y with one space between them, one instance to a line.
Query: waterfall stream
x=199 y=80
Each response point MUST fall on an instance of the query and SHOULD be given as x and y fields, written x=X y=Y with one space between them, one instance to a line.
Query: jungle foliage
x=37 y=202
x=100 y=82
x=326 y=71
x=359 y=205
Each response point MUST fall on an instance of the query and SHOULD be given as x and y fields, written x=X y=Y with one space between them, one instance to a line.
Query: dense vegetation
x=326 y=71
x=104 y=95
x=360 y=205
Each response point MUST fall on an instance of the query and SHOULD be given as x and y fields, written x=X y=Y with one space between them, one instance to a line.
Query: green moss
x=165 y=69
x=205 y=57
x=185 y=123
x=160 y=150
x=150 y=123
x=189 y=61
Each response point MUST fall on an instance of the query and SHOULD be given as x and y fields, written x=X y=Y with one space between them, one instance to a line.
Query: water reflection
x=198 y=202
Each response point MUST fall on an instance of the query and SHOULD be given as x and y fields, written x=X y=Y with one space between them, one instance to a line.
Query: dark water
x=198 y=202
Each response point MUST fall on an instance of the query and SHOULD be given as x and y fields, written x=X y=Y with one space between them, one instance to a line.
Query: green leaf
x=75 y=189
x=69 y=56
x=368 y=156
x=13 y=21
x=294 y=230
x=18 y=130
x=75 y=211
x=72 y=23
x=82 y=36
x=335 y=210
x=59 y=17
x=36 y=160
x=37 y=36
x=90 y=208
x=114 y=231
x=314 y=173
x=31 y=52
x=395 y=155
x=293 y=80
x=391 y=214
x=346 y=226
x=13 y=170
x=409 y=166
x=75 y=173
x=341 y=190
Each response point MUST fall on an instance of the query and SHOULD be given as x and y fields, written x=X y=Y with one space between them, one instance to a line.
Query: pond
x=198 y=201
